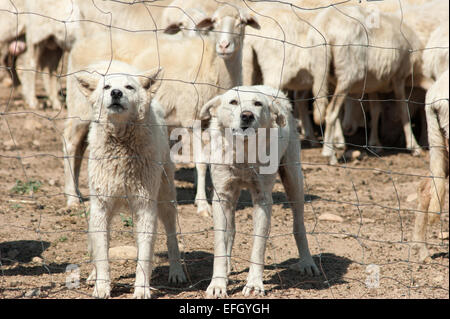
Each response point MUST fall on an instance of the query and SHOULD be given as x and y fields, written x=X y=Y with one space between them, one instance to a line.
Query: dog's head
x=120 y=94
x=244 y=108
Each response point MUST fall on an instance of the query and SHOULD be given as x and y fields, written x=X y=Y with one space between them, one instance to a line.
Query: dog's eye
x=129 y=87
x=106 y=87
x=233 y=102
x=257 y=103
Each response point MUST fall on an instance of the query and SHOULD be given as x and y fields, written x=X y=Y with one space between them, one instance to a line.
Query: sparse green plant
x=26 y=187
x=63 y=239
x=16 y=206
x=127 y=220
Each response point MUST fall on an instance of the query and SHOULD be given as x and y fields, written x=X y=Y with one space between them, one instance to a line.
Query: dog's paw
x=306 y=266
x=92 y=277
x=255 y=286
x=102 y=289
x=217 y=288
x=142 y=293
x=176 y=274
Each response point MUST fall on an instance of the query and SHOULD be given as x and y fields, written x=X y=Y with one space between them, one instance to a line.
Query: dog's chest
x=124 y=170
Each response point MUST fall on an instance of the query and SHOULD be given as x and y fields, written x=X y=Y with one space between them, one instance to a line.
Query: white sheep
x=359 y=58
x=12 y=38
x=196 y=70
x=50 y=31
x=278 y=50
x=431 y=192
x=129 y=166
x=184 y=15
x=436 y=54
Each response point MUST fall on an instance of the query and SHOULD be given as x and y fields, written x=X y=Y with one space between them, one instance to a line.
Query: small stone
x=10 y=145
x=367 y=220
x=36 y=143
x=123 y=253
x=33 y=292
x=32 y=124
x=37 y=260
x=331 y=217
x=412 y=197
x=438 y=278
x=353 y=154
x=443 y=235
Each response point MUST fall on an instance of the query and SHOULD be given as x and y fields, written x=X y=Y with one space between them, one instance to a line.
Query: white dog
x=244 y=110
x=129 y=165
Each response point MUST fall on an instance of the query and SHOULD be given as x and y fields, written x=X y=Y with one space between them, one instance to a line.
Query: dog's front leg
x=262 y=201
x=99 y=220
x=146 y=227
x=224 y=229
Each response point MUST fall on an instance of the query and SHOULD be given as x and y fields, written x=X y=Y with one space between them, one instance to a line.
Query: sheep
x=181 y=16
x=278 y=51
x=431 y=192
x=383 y=124
x=12 y=38
x=129 y=165
x=435 y=55
x=354 y=67
x=197 y=69
x=49 y=33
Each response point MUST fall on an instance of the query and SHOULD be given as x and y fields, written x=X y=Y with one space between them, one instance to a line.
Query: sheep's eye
x=107 y=87
x=129 y=87
x=257 y=103
x=233 y=102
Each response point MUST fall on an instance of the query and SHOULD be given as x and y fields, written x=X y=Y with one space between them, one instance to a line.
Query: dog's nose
x=116 y=94
x=247 y=117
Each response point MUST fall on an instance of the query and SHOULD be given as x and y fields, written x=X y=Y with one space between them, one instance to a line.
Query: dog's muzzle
x=247 y=118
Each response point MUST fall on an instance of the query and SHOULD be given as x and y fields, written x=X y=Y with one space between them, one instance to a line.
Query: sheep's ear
x=87 y=82
x=173 y=28
x=151 y=80
x=209 y=109
x=205 y=23
x=250 y=20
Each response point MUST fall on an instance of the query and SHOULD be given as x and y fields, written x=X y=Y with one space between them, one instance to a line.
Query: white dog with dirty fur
x=241 y=111
x=129 y=166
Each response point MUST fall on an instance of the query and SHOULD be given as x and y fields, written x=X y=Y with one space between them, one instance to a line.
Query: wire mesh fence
x=353 y=67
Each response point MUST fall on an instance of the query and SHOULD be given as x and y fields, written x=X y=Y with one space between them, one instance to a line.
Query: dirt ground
x=374 y=195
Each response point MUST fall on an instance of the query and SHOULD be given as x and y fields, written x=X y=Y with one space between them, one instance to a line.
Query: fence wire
x=359 y=210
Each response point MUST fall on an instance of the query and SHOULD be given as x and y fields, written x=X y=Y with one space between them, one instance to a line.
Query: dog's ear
x=209 y=109
x=152 y=79
x=173 y=28
x=87 y=82
x=276 y=106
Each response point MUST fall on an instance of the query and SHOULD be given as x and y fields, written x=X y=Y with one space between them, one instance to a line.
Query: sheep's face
x=228 y=26
x=184 y=23
x=118 y=96
x=239 y=111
